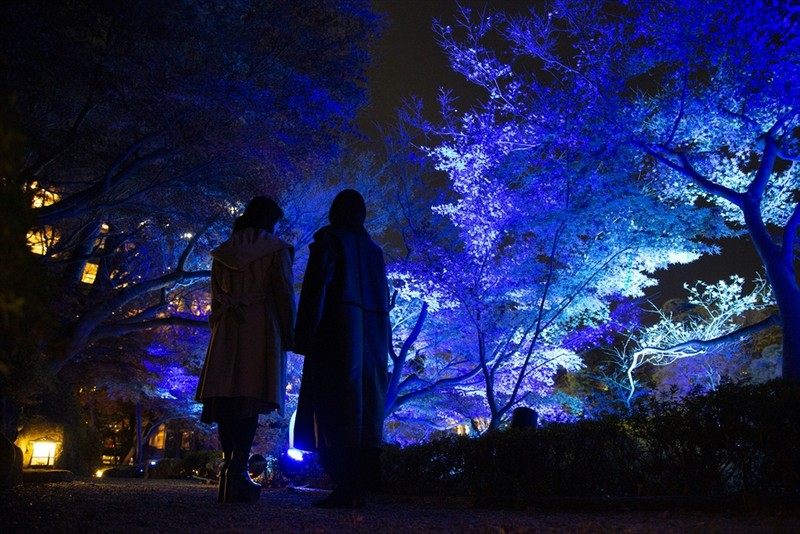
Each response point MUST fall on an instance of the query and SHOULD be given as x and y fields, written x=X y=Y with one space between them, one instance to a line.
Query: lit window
x=159 y=439
x=44 y=453
x=89 y=273
x=100 y=242
x=42 y=197
x=41 y=239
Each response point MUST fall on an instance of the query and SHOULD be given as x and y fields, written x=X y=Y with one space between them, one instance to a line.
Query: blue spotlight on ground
x=295 y=454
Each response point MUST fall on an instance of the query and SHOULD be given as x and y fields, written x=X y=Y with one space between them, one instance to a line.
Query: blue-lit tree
x=542 y=232
x=713 y=322
x=129 y=385
x=149 y=125
x=427 y=382
x=681 y=119
x=528 y=266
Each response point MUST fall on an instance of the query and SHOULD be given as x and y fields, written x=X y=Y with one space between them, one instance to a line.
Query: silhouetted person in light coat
x=252 y=327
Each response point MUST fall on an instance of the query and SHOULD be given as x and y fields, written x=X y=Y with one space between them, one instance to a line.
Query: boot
x=223 y=475
x=227 y=439
x=238 y=486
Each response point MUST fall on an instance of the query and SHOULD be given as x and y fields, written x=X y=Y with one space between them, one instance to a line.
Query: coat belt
x=233 y=303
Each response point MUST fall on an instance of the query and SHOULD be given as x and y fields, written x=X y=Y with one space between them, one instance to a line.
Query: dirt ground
x=178 y=506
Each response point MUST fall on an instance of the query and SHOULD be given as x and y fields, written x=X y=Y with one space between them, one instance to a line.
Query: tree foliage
x=149 y=125
x=624 y=133
x=158 y=124
x=603 y=141
x=713 y=322
x=545 y=226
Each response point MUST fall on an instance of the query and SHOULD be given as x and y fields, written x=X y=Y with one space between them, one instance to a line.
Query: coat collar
x=246 y=246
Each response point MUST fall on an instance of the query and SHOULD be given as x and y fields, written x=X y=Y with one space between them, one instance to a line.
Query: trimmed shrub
x=737 y=439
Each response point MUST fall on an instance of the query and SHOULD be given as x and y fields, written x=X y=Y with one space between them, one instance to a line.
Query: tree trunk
x=139 y=444
x=9 y=417
x=782 y=278
x=778 y=258
x=399 y=361
x=787 y=296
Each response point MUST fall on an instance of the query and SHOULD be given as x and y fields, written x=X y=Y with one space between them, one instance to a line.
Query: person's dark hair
x=348 y=210
x=261 y=212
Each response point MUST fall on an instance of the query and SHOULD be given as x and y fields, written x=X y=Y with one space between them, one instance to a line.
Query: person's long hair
x=261 y=212
x=348 y=210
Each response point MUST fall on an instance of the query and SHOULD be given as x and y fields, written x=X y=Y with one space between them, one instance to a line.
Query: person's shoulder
x=283 y=243
x=324 y=231
x=328 y=234
x=375 y=248
x=284 y=247
x=265 y=243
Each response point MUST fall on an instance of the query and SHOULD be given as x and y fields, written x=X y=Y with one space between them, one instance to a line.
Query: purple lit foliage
x=557 y=209
x=624 y=316
x=680 y=118
x=151 y=372
x=174 y=381
x=149 y=124
x=535 y=248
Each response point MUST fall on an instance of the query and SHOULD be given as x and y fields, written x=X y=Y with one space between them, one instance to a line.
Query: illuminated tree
x=713 y=323
x=150 y=124
x=541 y=233
x=692 y=106
x=527 y=268
x=138 y=381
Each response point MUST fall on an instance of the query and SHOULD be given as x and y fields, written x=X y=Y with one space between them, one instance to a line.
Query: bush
x=307 y=472
x=203 y=464
x=585 y=458
x=738 y=439
x=732 y=440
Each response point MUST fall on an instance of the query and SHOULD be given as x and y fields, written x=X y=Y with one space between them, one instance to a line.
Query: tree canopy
x=149 y=125
x=666 y=127
x=600 y=143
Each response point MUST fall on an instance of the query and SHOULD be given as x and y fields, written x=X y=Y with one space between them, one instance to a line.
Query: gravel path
x=178 y=506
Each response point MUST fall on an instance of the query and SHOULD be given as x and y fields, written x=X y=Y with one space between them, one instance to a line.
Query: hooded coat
x=252 y=321
x=343 y=330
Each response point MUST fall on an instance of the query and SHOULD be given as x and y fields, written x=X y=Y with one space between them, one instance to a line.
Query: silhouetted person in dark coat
x=343 y=331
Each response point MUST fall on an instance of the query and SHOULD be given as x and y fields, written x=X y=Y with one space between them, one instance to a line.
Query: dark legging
x=236 y=435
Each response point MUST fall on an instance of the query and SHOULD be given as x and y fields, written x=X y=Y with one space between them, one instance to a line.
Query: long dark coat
x=252 y=320
x=343 y=330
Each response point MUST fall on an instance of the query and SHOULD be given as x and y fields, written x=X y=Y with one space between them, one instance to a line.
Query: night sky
x=407 y=61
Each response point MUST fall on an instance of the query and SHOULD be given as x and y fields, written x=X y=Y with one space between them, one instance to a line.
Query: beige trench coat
x=252 y=319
